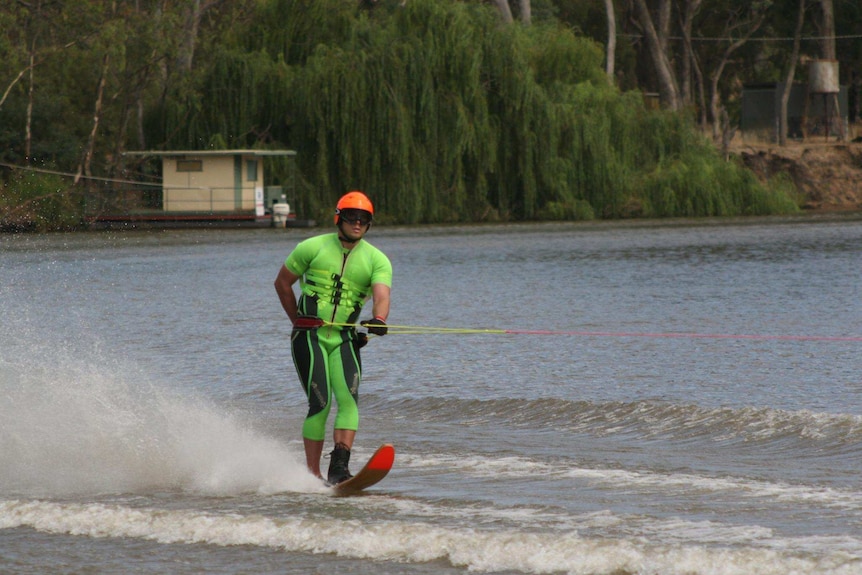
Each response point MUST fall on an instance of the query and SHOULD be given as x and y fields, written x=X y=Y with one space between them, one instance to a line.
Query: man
x=337 y=274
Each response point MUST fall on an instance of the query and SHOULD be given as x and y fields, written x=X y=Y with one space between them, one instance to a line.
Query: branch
x=31 y=66
x=12 y=85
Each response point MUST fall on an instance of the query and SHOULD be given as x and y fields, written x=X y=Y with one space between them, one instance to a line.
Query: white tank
x=823 y=77
x=279 y=215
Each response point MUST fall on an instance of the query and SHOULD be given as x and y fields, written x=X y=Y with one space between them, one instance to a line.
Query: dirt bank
x=829 y=175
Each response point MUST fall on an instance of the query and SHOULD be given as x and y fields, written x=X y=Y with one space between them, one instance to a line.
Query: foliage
x=434 y=108
x=443 y=115
x=42 y=202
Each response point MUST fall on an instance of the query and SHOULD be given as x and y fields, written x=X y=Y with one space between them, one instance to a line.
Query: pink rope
x=686 y=335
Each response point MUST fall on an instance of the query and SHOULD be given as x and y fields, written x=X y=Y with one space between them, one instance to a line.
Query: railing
x=149 y=200
x=205 y=200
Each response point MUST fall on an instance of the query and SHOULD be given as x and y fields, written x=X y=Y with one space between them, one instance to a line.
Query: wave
x=830 y=432
x=622 y=480
x=476 y=549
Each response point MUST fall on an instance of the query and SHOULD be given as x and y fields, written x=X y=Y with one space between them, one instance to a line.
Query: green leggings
x=327 y=362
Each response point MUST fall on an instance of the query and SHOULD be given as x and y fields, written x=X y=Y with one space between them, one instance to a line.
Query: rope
x=431 y=330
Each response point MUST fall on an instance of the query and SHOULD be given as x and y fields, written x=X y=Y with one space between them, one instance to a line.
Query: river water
x=649 y=398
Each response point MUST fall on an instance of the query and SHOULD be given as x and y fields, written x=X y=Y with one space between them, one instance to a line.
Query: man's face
x=354 y=223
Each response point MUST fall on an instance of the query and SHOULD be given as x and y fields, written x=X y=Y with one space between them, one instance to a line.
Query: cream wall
x=221 y=186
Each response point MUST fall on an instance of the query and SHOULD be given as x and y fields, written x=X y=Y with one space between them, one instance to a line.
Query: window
x=190 y=166
x=251 y=170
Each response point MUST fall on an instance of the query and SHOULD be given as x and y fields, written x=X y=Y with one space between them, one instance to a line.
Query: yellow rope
x=418 y=329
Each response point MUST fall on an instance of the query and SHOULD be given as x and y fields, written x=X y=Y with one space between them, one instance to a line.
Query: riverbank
x=827 y=175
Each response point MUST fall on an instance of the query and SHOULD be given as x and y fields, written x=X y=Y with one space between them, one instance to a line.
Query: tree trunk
x=701 y=95
x=750 y=26
x=827 y=49
x=28 y=132
x=612 y=40
x=791 y=71
x=196 y=11
x=84 y=167
x=827 y=44
x=526 y=11
x=715 y=107
x=33 y=62
x=190 y=36
x=668 y=88
x=663 y=25
x=690 y=10
x=505 y=11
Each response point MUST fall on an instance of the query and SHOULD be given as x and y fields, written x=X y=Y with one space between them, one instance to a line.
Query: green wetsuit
x=335 y=283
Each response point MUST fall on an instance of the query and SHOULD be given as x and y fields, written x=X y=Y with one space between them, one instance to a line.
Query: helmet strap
x=344 y=238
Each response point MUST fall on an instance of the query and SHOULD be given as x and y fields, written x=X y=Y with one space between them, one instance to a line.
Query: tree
x=525 y=11
x=33 y=34
x=791 y=72
x=612 y=39
x=193 y=14
x=827 y=51
x=505 y=10
x=740 y=23
x=827 y=30
x=690 y=9
x=657 y=36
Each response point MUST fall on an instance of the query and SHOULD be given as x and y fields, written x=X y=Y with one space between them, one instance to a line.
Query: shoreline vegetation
x=801 y=216
x=436 y=110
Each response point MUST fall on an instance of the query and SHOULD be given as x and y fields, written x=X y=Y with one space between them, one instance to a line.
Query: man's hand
x=376 y=326
x=307 y=322
x=361 y=339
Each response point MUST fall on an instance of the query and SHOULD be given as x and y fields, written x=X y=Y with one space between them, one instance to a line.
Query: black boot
x=338 y=461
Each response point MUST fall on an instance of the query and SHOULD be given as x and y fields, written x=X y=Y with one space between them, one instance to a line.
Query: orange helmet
x=354 y=200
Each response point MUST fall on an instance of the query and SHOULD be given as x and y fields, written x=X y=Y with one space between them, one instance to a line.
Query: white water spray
x=77 y=420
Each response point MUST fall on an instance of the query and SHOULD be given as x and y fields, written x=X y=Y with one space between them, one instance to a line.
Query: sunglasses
x=360 y=217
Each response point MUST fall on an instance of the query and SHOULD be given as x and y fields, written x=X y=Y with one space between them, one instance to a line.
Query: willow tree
x=403 y=114
x=443 y=115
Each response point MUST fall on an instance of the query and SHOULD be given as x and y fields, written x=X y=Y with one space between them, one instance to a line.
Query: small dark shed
x=809 y=115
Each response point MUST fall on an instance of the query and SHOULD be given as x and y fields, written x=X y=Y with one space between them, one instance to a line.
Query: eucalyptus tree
x=655 y=25
x=848 y=25
x=740 y=23
x=14 y=63
x=827 y=29
x=128 y=47
x=791 y=72
x=689 y=66
x=33 y=32
x=505 y=10
x=610 y=53
x=191 y=13
x=827 y=50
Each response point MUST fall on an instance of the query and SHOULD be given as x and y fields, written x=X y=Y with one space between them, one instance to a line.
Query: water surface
x=670 y=398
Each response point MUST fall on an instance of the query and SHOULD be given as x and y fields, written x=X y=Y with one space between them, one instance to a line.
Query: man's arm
x=284 y=288
x=380 y=298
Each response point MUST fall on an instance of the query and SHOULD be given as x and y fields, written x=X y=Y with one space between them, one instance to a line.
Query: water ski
x=375 y=470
